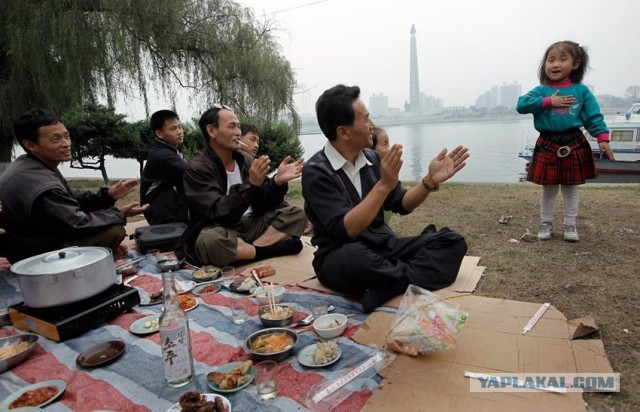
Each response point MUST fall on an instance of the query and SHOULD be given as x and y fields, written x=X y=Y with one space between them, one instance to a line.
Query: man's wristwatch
x=429 y=188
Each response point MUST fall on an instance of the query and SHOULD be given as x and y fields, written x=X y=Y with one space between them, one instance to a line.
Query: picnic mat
x=490 y=342
x=134 y=381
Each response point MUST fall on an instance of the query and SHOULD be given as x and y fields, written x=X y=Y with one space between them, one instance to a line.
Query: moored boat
x=625 y=144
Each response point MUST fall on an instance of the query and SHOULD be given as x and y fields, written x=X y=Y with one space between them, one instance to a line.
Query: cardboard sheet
x=491 y=342
x=466 y=282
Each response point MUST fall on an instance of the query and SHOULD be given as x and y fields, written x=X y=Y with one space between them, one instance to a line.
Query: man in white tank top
x=234 y=211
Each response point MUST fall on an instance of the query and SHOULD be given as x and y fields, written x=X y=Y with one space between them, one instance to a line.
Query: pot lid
x=59 y=261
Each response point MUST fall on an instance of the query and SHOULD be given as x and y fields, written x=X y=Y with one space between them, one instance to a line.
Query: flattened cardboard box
x=490 y=342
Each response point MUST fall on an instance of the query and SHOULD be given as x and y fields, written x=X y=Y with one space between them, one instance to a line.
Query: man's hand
x=133 y=209
x=444 y=165
x=390 y=167
x=289 y=170
x=122 y=188
x=259 y=170
x=4 y=264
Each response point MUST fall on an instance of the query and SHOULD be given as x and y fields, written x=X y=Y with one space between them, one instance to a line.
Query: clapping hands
x=444 y=165
x=122 y=188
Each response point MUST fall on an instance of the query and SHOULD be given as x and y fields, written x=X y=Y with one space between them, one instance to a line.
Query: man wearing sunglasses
x=233 y=204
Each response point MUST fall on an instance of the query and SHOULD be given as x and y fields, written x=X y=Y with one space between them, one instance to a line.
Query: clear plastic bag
x=424 y=323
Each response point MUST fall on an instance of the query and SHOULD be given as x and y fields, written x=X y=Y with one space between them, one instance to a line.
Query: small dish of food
x=320 y=354
x=144 y=326
x=245 y=286
x=330 y=326
x=206 y=273
x=262 y=294
x=167 y=263
x=231 y=377
x=147 y=299
x=187 y=303
x=127 y=267
x=274 y=344
x=192 y=400
x=15 y=349
x=37 y=395
x=203 y=290
x=184 y=286
x=278 y=315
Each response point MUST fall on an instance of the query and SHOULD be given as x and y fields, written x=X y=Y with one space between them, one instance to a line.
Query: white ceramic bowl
x=330 y=326
x=261 y=295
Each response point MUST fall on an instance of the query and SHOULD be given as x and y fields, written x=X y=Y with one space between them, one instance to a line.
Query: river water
x=493 y=146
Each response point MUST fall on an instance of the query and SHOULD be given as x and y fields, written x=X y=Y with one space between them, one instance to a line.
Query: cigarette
x=242 y=143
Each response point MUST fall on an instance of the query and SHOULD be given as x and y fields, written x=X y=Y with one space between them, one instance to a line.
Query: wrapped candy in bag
x=424 y=323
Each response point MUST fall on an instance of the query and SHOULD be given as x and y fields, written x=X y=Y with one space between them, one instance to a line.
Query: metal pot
x=64 y=276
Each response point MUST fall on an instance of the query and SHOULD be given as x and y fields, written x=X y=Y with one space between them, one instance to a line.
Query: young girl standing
x=562 y=157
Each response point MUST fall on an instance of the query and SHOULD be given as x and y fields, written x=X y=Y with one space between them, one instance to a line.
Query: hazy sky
x=464 y=46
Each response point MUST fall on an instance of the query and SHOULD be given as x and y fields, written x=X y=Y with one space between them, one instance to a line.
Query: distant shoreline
x=310 y=126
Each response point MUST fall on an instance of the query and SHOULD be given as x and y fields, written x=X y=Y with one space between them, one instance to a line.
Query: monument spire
x=414 y=83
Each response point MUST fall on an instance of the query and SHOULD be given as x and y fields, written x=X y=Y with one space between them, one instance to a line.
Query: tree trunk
x=103 y=170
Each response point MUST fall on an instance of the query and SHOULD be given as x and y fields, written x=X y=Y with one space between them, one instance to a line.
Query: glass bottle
x=174 y=336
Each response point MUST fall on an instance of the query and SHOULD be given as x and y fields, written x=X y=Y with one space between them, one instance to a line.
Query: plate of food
x=193 y=400
x=187 y=303
x=37 y=395
x=320 y=354
x=15 y=349
x=184 y=286
x=231 y=377
x=244 y=286
x=206 y=273
x=208 y=289
x=146 y=325
x=147 y=299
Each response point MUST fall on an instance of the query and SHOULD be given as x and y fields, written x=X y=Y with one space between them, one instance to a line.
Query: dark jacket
x=40 y=210
x=205 y=187
x=161 y=185
x=329 y=195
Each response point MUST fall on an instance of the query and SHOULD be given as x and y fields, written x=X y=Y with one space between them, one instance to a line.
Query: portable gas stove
x=64 y=322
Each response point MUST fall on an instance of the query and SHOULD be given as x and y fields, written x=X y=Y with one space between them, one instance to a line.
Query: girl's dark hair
x=576 y=51
x=374 y=135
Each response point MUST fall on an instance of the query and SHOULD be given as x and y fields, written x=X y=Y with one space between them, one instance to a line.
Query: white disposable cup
x=267 y=380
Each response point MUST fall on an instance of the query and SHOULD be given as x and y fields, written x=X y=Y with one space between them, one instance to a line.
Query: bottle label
x=175 y=353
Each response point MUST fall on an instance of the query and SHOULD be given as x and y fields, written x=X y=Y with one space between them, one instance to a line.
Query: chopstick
x=272 y=299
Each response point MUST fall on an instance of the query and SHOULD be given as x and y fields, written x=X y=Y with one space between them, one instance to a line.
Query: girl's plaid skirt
x=547 y=169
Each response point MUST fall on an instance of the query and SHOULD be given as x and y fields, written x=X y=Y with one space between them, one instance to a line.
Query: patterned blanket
x=135 y=380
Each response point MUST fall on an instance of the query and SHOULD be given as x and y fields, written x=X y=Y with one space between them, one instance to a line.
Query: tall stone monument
x=414 y=83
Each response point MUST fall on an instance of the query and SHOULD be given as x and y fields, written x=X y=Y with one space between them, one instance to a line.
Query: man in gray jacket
x=40 y=212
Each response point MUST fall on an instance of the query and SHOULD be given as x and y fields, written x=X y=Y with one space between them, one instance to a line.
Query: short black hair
x=27 y=125
x=160 y=117
x=210 y=117
x=248 y=128
x=335 y=108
